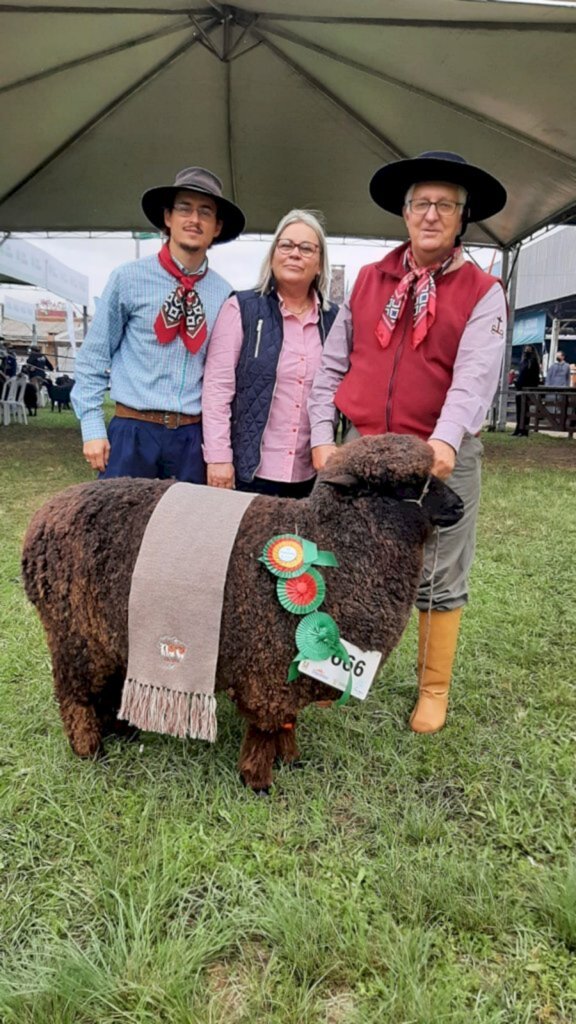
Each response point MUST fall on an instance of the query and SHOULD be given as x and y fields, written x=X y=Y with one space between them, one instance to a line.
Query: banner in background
x=529 y=328
x=22 y=312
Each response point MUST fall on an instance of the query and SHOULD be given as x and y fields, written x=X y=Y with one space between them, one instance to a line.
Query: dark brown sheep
x=373 y=506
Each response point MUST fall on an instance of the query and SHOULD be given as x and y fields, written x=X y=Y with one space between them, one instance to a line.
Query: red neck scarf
x=182 y=311
x=420 y=280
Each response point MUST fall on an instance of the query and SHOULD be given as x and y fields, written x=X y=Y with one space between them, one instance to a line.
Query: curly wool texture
x=81 y=548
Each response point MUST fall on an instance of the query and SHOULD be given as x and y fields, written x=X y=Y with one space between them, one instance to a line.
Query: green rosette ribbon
x=287 y=555
x=318 y=638
x=302 y=594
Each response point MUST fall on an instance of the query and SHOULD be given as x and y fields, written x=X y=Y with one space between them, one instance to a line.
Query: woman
x=264 y=351
x=528 y=377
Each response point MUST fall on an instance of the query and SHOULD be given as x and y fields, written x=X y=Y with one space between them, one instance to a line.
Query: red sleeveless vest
x=400 y=389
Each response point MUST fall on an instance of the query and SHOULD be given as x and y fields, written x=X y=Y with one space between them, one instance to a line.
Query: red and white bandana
x=422 y=281
x=182 y=313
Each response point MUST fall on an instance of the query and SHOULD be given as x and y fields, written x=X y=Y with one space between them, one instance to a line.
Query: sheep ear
x=341 y=480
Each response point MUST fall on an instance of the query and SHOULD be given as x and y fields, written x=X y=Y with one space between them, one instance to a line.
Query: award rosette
x=288 y=555
x=301 y=590
x=302 y=594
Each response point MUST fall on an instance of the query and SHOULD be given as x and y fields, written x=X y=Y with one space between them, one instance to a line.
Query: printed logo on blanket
x=172 y=651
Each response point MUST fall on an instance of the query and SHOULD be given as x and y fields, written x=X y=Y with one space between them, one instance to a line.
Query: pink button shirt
x=285 y=446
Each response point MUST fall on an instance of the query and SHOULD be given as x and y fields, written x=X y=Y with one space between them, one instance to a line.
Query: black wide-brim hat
x=196 y=179
x=389 y=185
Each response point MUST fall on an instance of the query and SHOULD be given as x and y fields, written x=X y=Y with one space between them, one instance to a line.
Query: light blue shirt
x=558 y=376
x=143 y=373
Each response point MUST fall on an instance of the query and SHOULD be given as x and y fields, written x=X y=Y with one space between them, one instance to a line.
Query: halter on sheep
x=81 y=548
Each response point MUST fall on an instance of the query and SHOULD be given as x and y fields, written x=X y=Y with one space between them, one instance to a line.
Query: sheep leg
x=257 y=758
x=88 y=708
x=286 y=748
x=82 y=727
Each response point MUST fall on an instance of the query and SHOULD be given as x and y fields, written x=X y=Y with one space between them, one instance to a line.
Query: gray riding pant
x=449 y=553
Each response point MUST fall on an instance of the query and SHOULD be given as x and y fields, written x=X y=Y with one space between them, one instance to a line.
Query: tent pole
x=554 y=339
x=510 y=278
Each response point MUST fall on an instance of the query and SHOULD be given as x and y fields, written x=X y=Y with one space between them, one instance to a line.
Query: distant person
x=528 y=377
x=264 y=351
x=558 y=375
x=150 y=330
x=9 y=362
x=37 y=358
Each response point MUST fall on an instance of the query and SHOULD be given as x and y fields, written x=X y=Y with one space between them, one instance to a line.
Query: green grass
x=396 y=878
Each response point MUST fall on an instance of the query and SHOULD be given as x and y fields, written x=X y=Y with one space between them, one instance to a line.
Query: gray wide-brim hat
x=196 y=179
x=389 y=185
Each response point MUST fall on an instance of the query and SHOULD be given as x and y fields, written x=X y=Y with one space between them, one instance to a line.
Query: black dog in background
x=59 y=394
x=31 y=399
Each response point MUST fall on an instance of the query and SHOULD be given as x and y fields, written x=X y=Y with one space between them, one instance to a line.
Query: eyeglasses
x=444 y=207
x=306 y=249
x=181 y=206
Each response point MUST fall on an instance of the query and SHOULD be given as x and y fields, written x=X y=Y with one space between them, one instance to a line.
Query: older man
x=149 y=336
x=417 y=350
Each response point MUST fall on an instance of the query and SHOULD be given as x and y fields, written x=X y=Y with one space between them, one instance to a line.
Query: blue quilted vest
x=262 y=336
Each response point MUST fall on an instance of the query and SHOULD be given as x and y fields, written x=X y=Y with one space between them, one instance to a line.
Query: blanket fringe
x=158 y=709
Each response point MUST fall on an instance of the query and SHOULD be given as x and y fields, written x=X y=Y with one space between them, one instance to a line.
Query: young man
x=417 y=350
x=149 y=336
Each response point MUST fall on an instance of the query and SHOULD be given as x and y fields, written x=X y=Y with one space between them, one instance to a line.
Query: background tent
x=292 y=103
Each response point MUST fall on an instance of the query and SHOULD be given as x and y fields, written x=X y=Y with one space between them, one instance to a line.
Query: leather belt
x=171 y=420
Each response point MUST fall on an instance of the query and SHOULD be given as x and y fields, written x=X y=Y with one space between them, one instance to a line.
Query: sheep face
x=397 y=467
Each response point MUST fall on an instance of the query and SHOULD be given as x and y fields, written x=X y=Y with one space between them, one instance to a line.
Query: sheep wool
x=374 y=505
x=175 y=610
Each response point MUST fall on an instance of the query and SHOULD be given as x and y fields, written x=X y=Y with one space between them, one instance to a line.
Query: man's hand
x=220 y=474
x=444 y=458
x=321 y=454
x=97 y=453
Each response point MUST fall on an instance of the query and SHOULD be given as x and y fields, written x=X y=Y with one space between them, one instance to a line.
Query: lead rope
x=418 y=501
x=429 y=608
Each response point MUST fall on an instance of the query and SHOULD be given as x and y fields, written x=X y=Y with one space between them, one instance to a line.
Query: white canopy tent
x=291 y=103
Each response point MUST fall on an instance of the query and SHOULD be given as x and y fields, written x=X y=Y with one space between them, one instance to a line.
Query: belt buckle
x=166 y=420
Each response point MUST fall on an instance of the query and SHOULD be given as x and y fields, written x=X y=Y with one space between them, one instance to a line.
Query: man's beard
x=191 y=248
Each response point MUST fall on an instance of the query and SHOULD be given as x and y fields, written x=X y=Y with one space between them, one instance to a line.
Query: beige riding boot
x=437 y=642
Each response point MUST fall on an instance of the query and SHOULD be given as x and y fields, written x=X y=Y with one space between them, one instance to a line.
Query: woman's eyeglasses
x=306 y=249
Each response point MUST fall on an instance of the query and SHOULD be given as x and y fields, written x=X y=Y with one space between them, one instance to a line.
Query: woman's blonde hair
x=313 y=219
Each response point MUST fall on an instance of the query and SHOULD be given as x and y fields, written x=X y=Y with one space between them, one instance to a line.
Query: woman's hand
x=321 y=454
x=97 y=453
x=220 y=474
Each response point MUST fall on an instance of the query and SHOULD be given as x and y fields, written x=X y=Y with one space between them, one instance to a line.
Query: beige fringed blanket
x=175 y=608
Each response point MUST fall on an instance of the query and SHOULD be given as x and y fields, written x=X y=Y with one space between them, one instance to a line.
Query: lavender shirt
x=474 y=380
x=285 y=446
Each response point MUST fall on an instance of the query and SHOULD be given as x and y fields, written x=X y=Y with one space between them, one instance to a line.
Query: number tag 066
x=363 y=665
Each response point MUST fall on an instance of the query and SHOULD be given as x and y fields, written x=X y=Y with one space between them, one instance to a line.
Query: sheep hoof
x=262 y=791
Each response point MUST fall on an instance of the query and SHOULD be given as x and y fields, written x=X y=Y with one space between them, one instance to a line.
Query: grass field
x=395 y=878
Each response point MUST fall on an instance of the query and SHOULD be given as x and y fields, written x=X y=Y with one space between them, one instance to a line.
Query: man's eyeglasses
x=444 y=207
x=306 y=249
x=181 y=206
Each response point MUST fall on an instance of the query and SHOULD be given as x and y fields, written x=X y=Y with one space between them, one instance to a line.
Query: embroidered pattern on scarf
x=422 y=281
x=182 y=313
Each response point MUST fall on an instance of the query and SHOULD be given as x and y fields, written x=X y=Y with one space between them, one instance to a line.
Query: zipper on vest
x=258 y=337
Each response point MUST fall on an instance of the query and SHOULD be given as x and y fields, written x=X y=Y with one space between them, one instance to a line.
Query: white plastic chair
x=4 y=391
x=12 y=402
